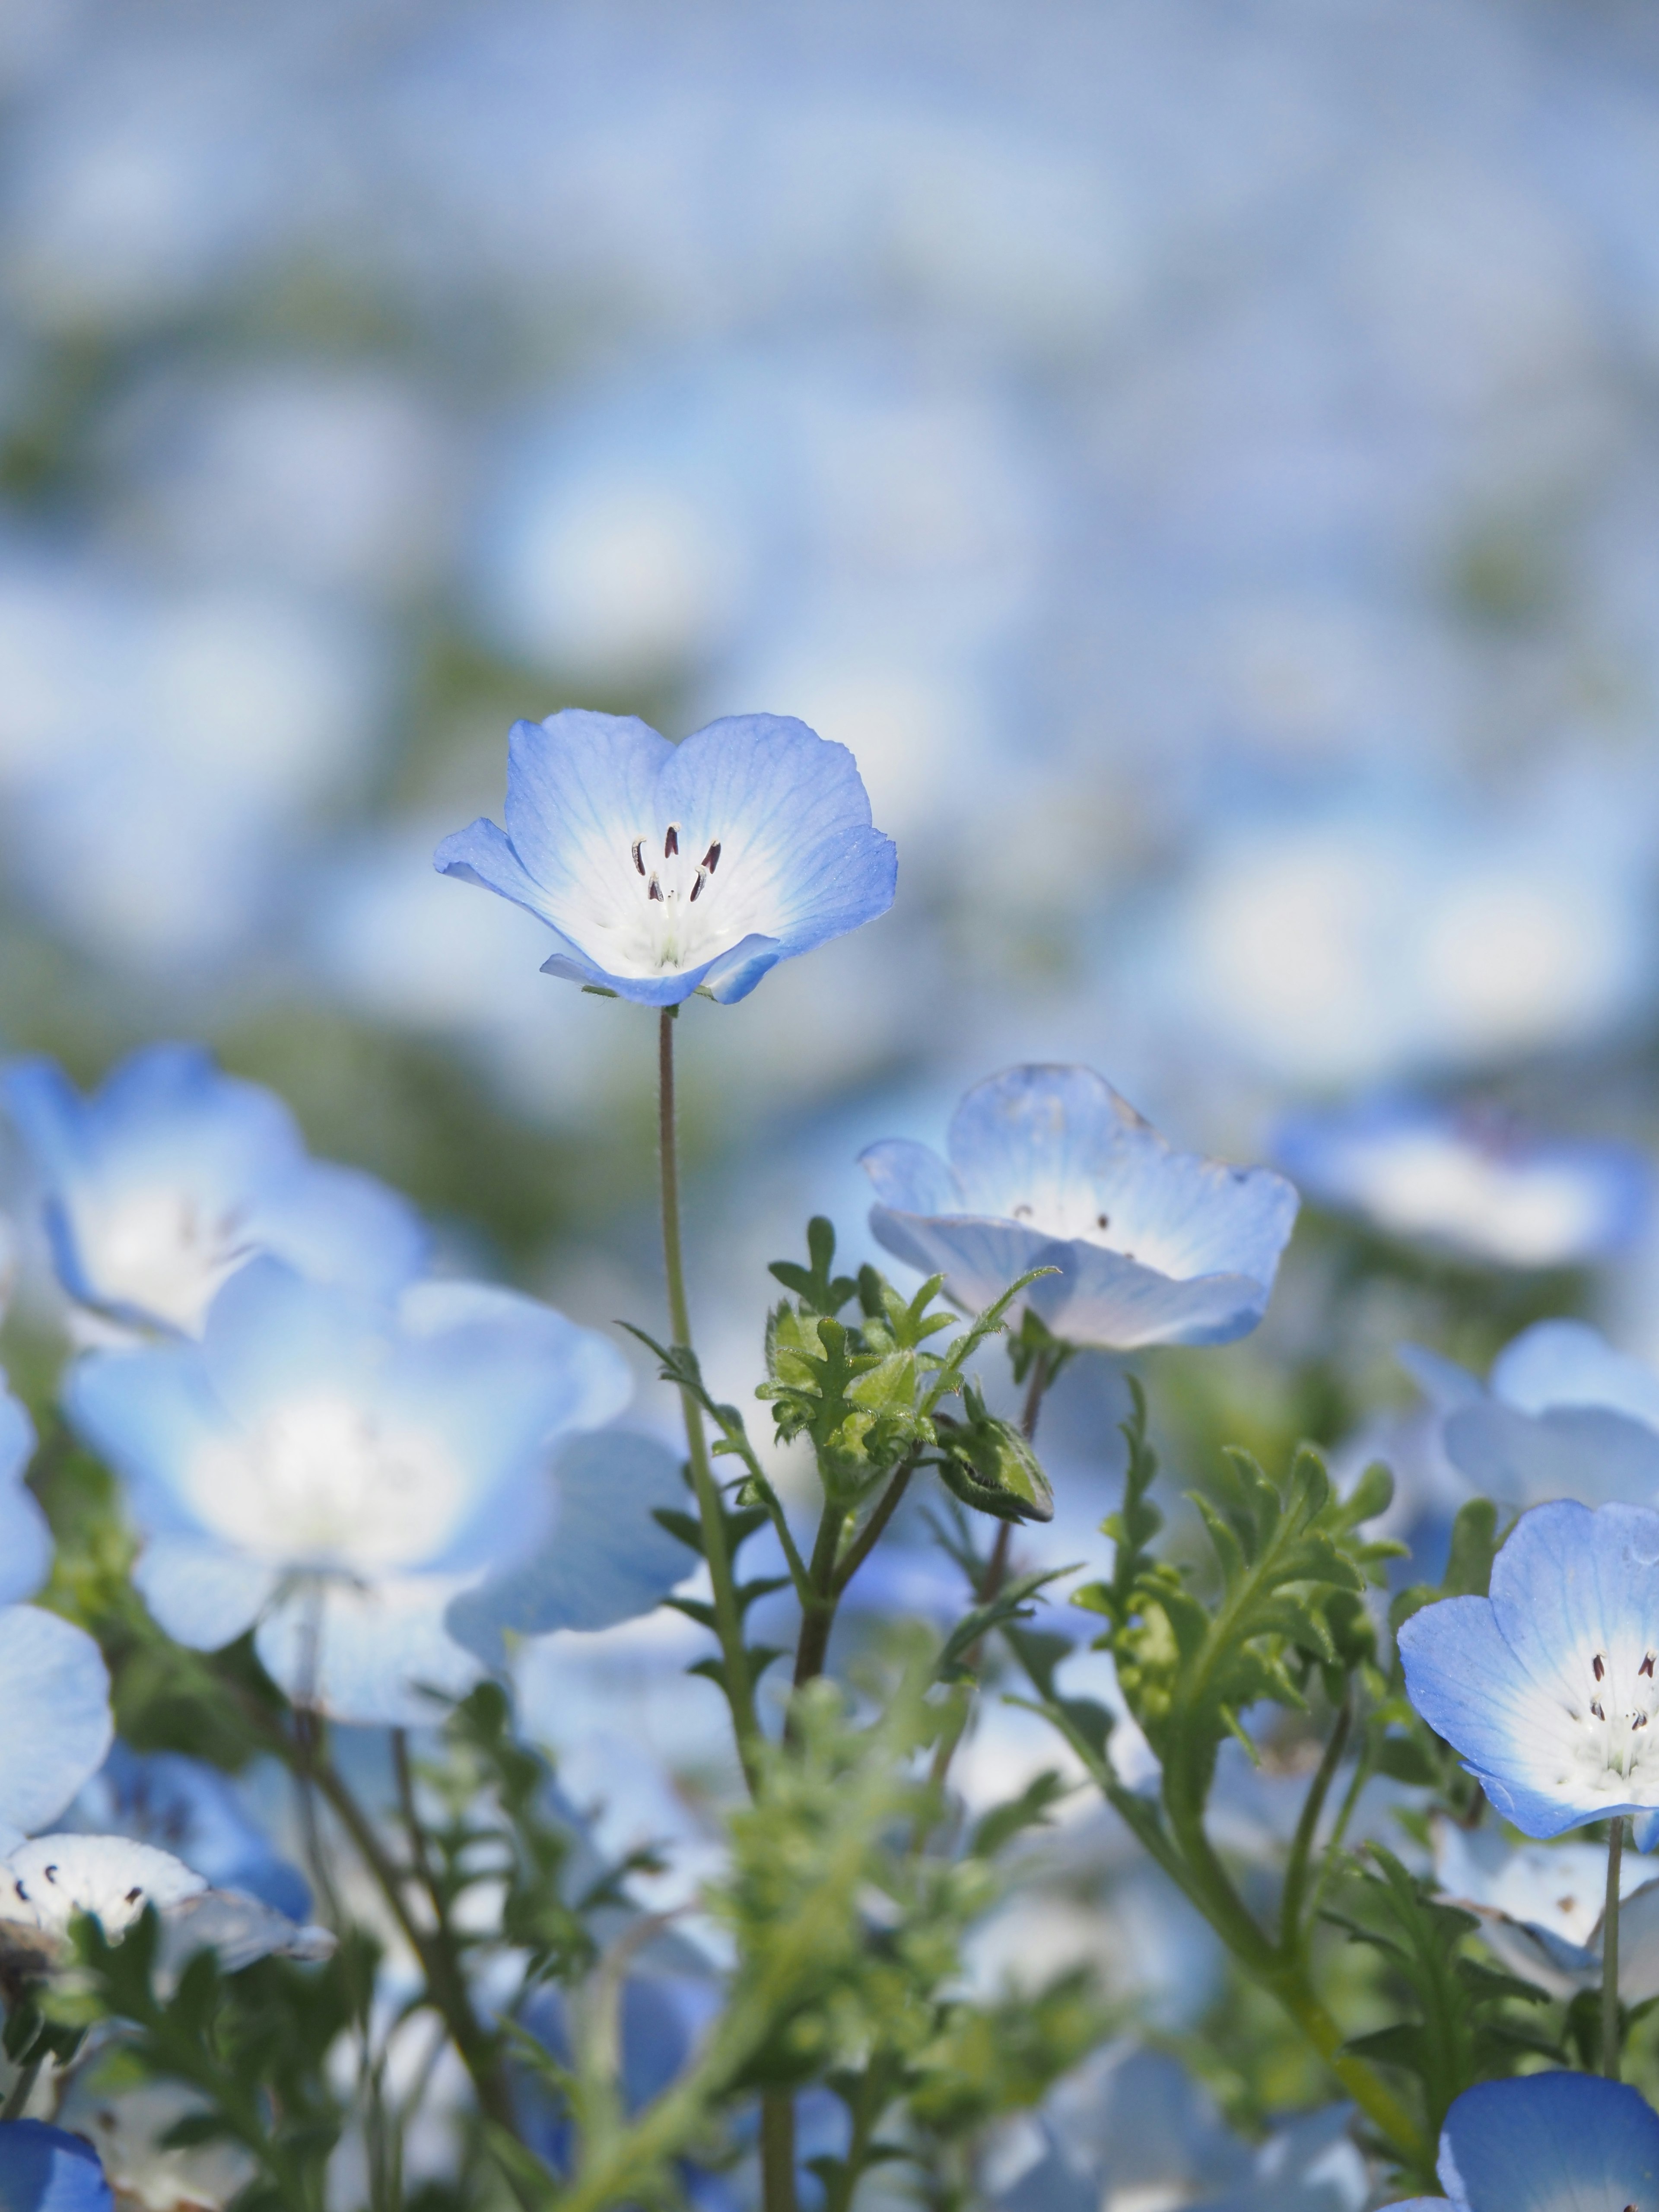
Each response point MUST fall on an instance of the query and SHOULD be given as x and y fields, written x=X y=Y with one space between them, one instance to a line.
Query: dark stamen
x=1596 y=1707
x=655 y=891
x=1640 y=1721
x=670 y=844
x=711 y=858
x=50 y=1873
x=134 y=1894
x=1102 y=1221
x=703 y=877
x=1599 y=1669
x=638 y=860
x=1646 y=1667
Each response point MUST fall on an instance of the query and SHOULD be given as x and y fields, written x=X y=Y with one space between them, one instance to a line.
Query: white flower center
x=325 y=1483
x=659 y=905
x=1614 y=1744
x=162 y=1250
x=1075 y=1215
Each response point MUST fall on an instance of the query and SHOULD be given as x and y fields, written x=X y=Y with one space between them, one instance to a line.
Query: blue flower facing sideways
x=1547 y=1687
x=160 y=1186
x=665 y=869
x=1547 y=2142
x=348 y=1476
x=1050 y=1167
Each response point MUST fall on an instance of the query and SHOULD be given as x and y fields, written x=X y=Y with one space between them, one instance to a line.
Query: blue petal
x=1569 y=1583
x=1549 y=2142
x=911 y=1178
x=43 y=2169
x=1100 y=1298
x=607 y=1558
x=1566 y=1363
x=736 y=973
x=54 y=1724
x=580 y=785
x=368 y=1654
x=25 y=1533
x=1584 y=1452
x=146 y=1413
x=187 y=1806
x=201 y=1592
x=978 y=1258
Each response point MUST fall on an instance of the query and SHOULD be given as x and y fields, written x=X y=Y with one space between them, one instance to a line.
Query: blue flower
x=1469 y=1184
x=191 y=1809
x=159 y=1187
x=1049 y=1168
x=338 y=1472
x=1547 y=2142
x=25 y=1537
x=1547 y=1687
x=43 y=2169
x=665 y=869
x=1540 y=1908
x=1563 y=1415
x=54 y=1724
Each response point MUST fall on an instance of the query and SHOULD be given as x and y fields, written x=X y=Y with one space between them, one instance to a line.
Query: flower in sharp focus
x=1547 y=2142
x=335 y=1473
x=1049 y=1168
x=1547 y=1687
x=45 y=2169
x=157 y=1189
x=1540 y=1908
x=1475 y=1184
x=1563 y=1415
x=665 y=869
x=54 y=1724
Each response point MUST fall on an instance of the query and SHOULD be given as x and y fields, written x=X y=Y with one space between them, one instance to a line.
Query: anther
x=1599 y=1667
x=655 y=891
x=703 y=877
x=639 y=861
x=50 y=1873
x=1022 y=1213
x=1102 y=1221
x=670 y=844
x=134 y=1894
x=1646 y=1667
x=1640 y=1721
x=1596 y=1707
x=711 y=858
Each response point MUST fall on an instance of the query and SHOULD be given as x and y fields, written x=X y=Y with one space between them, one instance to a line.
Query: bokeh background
x=1203 y=459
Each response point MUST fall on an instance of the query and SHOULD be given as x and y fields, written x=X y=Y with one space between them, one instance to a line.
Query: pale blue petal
x=185 y=1806
x=978 y=1258
x=1587 y=1453
x=1644 y=1830
x=1033 y=1135
x=367 y=1653
x=1445 y=1384
x=54 y=1724
x=49 y=1115
x=736 y=973
x=484 y=854
x=271 y=1336
x=579 y=787
x=1566 y=1363
x=25 y=1533
x=1551 y=2142
x=146 y=1413
x=337 y=1225
x=1101 y=1298
x=606 y=1560
x=44 y=2169
x=201 y=1592
x=1569 y=1583
x=911 y=1178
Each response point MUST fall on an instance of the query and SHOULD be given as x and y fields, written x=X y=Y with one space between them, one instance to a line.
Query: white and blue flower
x=1547 y=1687
x=45 y=2169
x=337 y=1472
x=1476 y=1185
x=55 y=1725
x=1540 y=1908
x=183 y=1806
x=157 y=1189
x=1546 y=2143
x=665 y=869
x=1049 y=1168
x=1563 y=1415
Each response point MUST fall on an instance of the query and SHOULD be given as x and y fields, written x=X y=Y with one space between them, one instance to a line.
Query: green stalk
x=1610 y=1953
x=728 y=1620
x=1296 y=1871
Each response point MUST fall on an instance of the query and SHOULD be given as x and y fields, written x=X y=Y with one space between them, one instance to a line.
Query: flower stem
x=1610 y=1952
x=728 y=1618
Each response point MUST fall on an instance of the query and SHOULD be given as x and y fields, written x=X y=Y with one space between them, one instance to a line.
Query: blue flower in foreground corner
x=1547 y=2142
x=1049 y=1168
x=161 y=1185
x=1546 y=1688
x=1563 y=1415
x=43 y=2169
x=54 y=1724
x=338 y=1472
x=666 y=869
x=1472 y=1183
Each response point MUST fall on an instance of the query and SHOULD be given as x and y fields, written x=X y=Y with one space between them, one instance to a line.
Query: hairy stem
x=868 y=1537
x=728 y=1620
x=1307 y=1827
x=1610 y=1953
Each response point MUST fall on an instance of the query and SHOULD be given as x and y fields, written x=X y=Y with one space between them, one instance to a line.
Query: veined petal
x=203 y=1593
x=367 y=1653
x=1572 y=1584
x=55 y=1725
x=1590 y=1453
x=978 y=1258
x=1102 y=1298
x=1551 y=2142
x=911 y=1178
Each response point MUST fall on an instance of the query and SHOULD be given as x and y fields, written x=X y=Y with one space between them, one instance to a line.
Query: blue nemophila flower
x=665 y=869
x=193 y=1810
x=1540 y=1908
x=161 y=1185
x=1049 y=1168
x=338 y=1472
x=1547 y=1687
x=1470 y=1182
x=45 y=2169
x=1563 y=1415
x=1547 y=2142
x=54 y=1724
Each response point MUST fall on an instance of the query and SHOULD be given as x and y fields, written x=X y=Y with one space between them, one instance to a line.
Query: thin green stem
x=777 y=2146
x=728 y=1618
x=867 y=1538
x=1307 y=1827
x=819 y=1616
x=1610 y=1953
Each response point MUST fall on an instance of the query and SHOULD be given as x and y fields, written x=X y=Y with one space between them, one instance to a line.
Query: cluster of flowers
x=382 y=1474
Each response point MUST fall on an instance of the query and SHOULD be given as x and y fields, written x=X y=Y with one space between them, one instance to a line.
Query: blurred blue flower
x=161 y=1184
x=1547 y=1687
x=337 y=1471
x=54 y=1724
x=191 y=1809
x=25 y=1537
x=1470 y=1184
x=44 y=2169
x=1546 y=2142
x=614 y=836
x=1540 y=1908
x=1563 y=1415
x=1049 y=1168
